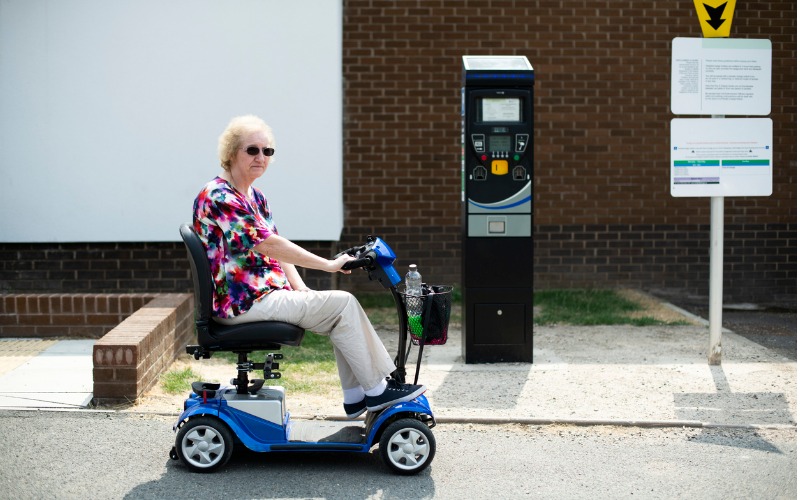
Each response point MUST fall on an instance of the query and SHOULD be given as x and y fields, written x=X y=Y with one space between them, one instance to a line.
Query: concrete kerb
x=692 y=317
x=689 y=424
x=488 y=421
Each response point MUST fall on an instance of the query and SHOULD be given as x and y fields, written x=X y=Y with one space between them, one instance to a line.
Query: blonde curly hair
x=231 y=139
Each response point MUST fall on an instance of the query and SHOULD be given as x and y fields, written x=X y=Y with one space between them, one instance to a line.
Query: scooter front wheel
x=204 y=444
x=407 y=446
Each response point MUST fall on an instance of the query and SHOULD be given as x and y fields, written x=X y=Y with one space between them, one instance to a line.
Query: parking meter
x=497 y=209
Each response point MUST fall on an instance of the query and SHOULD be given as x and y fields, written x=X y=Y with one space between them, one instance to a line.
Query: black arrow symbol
x=715 y=13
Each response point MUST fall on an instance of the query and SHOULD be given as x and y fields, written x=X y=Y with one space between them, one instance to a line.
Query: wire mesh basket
x=428 y=315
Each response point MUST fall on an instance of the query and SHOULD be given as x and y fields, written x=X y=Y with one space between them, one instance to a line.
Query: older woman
x=255 y=277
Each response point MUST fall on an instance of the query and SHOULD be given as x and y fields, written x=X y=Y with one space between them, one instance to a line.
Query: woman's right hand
x=338 y=262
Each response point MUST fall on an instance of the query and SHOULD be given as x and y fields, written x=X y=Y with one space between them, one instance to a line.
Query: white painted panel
x=110 y=112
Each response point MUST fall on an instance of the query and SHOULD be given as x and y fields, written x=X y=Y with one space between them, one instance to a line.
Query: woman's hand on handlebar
x=340 y=261
x=352 y=251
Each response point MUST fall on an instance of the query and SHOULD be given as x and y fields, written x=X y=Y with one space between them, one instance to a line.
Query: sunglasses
x=253 y=151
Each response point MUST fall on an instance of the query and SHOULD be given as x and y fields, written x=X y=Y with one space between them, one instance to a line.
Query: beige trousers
x=361 y=357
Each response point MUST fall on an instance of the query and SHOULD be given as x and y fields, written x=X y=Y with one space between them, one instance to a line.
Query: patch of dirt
x=157 y=401
x=654 y=308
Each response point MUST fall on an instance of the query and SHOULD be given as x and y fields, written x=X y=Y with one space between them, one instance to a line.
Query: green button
x=516 y=157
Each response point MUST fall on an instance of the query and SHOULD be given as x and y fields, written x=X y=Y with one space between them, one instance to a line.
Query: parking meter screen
x=500 y=143
x=501 y=109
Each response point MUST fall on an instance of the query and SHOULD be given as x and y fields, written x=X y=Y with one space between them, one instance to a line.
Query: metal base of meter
x=497 y=298
x=498 y=325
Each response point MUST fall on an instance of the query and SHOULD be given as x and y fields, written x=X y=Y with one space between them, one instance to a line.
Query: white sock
x=377 y=390
x=354 y=395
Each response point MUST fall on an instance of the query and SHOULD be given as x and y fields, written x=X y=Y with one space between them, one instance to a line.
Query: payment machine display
x=501 y=109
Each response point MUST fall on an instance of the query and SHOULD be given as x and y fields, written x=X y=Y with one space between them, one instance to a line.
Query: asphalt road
x=119 y=455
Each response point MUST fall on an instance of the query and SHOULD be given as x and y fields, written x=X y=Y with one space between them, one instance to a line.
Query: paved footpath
x=36 y=373
x=619 y=374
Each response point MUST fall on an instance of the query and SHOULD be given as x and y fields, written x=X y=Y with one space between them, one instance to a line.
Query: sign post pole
x=715 y=280
x=717 y=257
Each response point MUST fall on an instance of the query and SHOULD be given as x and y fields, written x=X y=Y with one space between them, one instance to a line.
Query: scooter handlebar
x=376 y=258
x=352 y=251
x=364 y=255
x=357 y=263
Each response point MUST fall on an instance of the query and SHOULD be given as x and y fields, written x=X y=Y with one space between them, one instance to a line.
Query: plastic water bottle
x=414 y=300
x=413 y=281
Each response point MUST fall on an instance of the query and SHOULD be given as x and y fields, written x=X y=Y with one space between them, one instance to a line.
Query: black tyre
x=407 y=446
x=204 y=444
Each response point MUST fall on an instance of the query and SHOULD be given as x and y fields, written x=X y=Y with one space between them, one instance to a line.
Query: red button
x=483 y=157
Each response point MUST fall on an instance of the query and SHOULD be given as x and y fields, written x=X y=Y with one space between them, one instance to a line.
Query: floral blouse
x=229 y=226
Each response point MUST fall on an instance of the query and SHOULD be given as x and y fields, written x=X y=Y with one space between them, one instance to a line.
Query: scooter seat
x=260 y=335
x=213 y=336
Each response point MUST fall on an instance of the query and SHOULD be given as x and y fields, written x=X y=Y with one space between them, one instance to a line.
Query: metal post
x=715 y=280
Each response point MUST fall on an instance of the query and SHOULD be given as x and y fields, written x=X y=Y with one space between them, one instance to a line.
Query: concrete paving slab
x=59 y=376
x=16 y=351
x=619 y=373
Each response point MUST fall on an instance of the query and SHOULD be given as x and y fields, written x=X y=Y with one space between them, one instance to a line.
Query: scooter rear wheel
x=204 y=444
x=407 y=446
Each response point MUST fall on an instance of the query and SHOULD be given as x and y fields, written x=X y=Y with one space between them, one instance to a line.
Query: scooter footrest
x=255 y=385
x=210 y=389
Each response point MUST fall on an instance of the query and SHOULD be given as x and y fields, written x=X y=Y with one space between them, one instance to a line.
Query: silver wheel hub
x=203 y=446
x=408 y=448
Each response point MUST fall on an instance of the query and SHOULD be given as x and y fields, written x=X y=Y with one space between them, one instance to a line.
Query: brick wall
x=74 y=315
x=667 y=259
x=601 y=140
x=93 y=267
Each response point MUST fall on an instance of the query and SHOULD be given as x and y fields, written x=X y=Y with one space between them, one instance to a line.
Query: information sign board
x=721 y=76
x=721 y=157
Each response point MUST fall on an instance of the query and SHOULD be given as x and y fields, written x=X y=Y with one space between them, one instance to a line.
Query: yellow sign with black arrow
x=716 y=17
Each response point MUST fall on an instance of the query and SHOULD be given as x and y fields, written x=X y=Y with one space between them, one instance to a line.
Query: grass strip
x=178 y=381
x=309 y=368
x=589 y=308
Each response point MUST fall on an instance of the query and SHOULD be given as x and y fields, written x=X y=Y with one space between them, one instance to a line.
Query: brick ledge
x=129 y=359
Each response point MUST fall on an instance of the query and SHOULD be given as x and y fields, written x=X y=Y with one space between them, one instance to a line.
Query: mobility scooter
x=216 y=417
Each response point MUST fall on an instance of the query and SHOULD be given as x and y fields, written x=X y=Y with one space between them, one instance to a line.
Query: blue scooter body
x=265 y=435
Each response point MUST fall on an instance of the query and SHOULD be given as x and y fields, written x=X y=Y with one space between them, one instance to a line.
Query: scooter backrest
x=201 y=273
